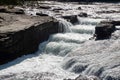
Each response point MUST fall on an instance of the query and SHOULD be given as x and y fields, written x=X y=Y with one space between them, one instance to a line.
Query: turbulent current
x=68 y=54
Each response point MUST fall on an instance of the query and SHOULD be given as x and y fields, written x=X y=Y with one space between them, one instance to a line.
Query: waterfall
x=64 y=25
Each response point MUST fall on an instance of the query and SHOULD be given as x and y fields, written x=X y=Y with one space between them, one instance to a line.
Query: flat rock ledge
x=22 y=34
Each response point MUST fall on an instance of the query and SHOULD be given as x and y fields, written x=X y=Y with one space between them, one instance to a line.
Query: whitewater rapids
x=66 y=55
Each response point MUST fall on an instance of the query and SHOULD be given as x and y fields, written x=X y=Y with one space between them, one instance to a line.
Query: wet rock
x=114 y=22
x=83 y=15
x=71 y=18
x=79 y=8
x=41 y=14
x=104 y=30
x=111 y=11
x=2 y=9
x=21 y=34
x=44 y=7
x=13 y=10
x=19 y=11
x=57 y=9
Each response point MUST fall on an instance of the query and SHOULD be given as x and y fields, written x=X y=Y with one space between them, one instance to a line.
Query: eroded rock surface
x=21 y=34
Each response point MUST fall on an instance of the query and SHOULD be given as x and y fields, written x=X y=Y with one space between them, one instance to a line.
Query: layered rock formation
x=21 y=34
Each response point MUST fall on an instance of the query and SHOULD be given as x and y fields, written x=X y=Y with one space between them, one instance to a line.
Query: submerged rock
x=21 y=34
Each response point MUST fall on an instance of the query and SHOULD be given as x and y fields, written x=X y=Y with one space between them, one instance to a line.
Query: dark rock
x=2 y=9
x=79 y=8
x=44 y=7
x=83 y=15
x=22 y=34
x=111 y=11
x=104 y=30
x=115 y=22
x=57 y=9
x=41 y=14
x=13 y=10
x=71 y=18
x=19 y=11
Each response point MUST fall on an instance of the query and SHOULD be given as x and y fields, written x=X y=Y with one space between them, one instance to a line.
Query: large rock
x=104 y=30
x=21 y=34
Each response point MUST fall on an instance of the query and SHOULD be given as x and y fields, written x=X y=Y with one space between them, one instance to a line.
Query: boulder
x=22 y=34
x=104 y=30
x=71 y=18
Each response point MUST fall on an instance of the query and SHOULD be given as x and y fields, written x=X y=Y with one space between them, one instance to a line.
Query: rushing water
x=66 y=54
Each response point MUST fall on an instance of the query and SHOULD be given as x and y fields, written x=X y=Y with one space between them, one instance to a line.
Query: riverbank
x=21 y=34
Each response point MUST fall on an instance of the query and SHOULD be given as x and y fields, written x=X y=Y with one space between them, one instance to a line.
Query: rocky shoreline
x=21 y=34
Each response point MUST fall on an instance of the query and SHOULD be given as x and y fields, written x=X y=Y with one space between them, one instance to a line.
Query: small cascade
x=64 y=25
x=88 y=21
x=83 y=29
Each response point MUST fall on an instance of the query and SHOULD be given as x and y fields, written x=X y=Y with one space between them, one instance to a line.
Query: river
x=68 y=54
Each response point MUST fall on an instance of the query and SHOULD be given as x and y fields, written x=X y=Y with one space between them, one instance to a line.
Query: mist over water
x=68 y=54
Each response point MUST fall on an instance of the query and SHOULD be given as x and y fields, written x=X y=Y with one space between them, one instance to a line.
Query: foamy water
x=66 y=54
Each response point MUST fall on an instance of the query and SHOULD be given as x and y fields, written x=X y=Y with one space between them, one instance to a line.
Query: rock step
x=22 y=34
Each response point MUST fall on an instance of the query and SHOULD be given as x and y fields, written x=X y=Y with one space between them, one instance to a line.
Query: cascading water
x=50 y=55
x=66 y=54
x=64 y=25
